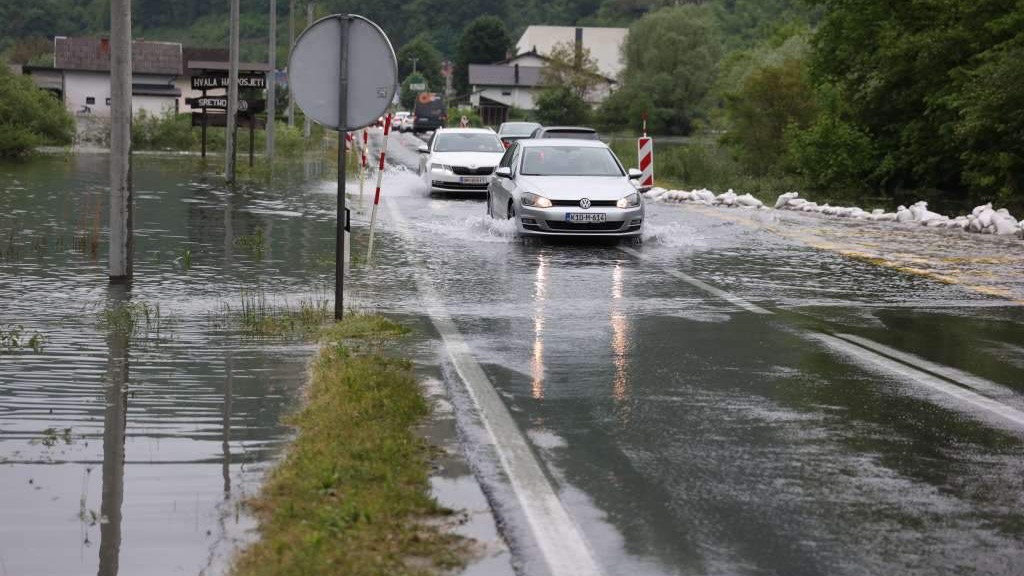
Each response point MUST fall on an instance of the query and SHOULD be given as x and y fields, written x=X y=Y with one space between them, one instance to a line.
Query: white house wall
x=79 y=86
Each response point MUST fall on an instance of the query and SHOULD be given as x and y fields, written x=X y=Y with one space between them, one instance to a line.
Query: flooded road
x=723 y=399
x=811 y=414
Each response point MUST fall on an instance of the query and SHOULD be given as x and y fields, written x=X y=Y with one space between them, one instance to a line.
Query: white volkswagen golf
x=564 y=187
x=460 y=159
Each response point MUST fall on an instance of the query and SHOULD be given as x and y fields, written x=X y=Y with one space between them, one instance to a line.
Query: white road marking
x=700 y=284
x=1006 y=415
x=978 y=384
x=560 y=539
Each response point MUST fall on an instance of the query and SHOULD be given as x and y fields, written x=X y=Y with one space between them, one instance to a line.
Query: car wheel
x=489 y=214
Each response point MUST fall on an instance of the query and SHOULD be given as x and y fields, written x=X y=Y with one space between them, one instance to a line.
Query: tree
x=561 y=105
x=582 y=76
x=408 y=95
x=671 y=58
x=769 y=90
x=29 y=117
x=484 y=41
x=428 y=61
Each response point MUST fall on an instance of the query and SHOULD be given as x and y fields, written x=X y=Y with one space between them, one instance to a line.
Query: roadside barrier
x=380 y=176
x=362 y=165
x=645 y=154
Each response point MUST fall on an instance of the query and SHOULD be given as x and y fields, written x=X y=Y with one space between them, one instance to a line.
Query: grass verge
x=351 y=495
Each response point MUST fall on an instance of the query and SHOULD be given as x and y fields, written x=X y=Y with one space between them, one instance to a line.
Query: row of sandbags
x=982 y=220
x=706 y=197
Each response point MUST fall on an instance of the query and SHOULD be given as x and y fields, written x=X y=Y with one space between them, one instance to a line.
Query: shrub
x=30 y=117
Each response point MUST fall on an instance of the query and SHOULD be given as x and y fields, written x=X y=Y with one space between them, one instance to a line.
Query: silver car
x=559 y=187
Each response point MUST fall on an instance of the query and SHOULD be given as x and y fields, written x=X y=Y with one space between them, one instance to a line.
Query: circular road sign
x=314 y=71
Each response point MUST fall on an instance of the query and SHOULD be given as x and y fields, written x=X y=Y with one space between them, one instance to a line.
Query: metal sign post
x=344 y=95
x=342 y=224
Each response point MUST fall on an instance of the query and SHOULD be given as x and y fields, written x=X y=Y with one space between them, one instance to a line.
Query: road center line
x=700 y=284
x=1006 y=415
x=560 y=539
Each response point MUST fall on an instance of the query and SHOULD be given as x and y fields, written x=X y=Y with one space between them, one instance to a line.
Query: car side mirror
x=635 y=173
x=503 y=172
x=423 y=148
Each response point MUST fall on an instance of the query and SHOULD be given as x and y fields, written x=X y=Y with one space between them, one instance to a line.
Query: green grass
x=259 y=317
x=351 y=495
x=134 y=320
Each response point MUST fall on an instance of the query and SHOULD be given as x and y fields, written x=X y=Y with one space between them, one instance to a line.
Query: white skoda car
x=562 y=187
x=460 y=159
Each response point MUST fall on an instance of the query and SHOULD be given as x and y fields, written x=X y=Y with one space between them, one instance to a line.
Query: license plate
x=584 y=217
x=474 y=179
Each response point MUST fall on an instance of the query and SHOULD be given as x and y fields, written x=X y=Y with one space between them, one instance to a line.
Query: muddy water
x=131 y=455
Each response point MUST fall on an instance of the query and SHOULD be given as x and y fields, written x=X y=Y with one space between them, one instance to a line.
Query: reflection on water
x=537 y=361
x=115 y=419
x=187 y=433
x=620 y=385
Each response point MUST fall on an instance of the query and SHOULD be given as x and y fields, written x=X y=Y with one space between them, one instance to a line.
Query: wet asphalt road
x=867 y=422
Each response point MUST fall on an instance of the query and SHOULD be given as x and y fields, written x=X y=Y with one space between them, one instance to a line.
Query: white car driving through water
x=460 y=159
x=561 y=187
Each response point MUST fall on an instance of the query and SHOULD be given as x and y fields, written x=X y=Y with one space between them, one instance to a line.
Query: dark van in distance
x=429 y=113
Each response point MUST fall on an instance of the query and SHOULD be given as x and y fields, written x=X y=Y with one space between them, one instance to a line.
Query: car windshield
x=519 y=129
x=569 y=161
x=471 y=142
x=573 y=134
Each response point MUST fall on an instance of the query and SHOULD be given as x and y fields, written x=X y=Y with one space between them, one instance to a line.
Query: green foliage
x=428 y=61
x=484 y=41
x=562 y=69
x=769 y=100
x=407 y=95
x=455 y=116
x=560 y=105
x=671 y=57
x=168 y=131
x=831 y=154
x=29 y=117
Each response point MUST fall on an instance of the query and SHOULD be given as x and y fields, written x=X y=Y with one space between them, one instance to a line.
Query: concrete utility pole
x=414 y=59
x=122 y=204
x=309 y=22
x=291 y=42
x=272 y=81
x=232 y=119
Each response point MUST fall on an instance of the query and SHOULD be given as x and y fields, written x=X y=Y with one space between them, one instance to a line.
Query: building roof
x=503 y=75
x=242 y=66
x=93 y=54
x=605 y=44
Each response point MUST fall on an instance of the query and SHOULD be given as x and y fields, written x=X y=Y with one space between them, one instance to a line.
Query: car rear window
x=576 y=134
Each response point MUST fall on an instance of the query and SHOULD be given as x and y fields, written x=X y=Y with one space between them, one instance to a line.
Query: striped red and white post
x=362 y=164
x=380 y=176
x=645 y=153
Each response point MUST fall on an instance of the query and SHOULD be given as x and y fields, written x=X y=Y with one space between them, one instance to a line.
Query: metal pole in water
x=272 y=81
x=309 y=22
x=339 y=241
x=121 y=201
x=291 y=44
x=232 y=119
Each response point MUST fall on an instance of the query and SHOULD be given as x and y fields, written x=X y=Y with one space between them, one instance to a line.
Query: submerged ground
x=812 y=413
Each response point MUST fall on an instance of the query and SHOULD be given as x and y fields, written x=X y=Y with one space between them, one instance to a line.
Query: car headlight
x=440 y=168
x=534 y=200
x=631 y=201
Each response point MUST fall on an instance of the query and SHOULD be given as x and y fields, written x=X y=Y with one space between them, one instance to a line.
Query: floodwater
x=131 y=455
x=867 y=421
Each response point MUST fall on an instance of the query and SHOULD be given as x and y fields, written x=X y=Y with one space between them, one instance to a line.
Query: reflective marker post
x=342 y=224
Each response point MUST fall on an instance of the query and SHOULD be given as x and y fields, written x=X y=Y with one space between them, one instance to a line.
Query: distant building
x=84 y=66
x=605 y=44
x=515 y=83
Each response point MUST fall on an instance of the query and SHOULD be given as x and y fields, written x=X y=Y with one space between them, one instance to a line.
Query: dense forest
x=870 y=97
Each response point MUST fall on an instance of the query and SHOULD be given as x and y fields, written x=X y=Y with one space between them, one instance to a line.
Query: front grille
x=482 y=171
x=585 y=226
x=593 y=203
x=459 y=186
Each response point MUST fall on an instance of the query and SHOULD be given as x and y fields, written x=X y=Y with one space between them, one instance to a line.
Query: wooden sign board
x=221 y=120
x=221 y=103
x=213 y=81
